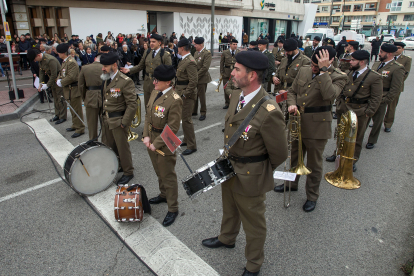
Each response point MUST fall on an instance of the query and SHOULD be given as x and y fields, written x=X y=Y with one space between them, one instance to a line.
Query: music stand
x=12 y=101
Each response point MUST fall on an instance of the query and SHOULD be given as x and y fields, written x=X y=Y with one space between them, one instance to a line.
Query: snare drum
x=208 y=177
x=91 y=167
x=128 y=204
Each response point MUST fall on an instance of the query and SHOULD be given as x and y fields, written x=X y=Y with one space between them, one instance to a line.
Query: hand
x=276 y=80
x=44 y=87
x=129 y=63
x=122 y=125
x=151 y=147
x=34 y=75
x=277 y=62
x=147 y=141
x=58 y=82
x=40 y=88
x=293 y=109
x=124 y=70
x=323 y=59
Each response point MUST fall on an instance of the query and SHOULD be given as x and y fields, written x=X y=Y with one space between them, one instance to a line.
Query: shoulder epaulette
x=339 y=71
x=376 y=73
x=124 y=76
x=270 y=107
x=399 y=64
x=176 y=96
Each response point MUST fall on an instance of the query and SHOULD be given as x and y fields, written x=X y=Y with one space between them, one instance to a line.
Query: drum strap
x=244 y=124
x=145 y=203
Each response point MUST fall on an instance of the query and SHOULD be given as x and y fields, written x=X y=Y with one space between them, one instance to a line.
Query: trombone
x=135 y=122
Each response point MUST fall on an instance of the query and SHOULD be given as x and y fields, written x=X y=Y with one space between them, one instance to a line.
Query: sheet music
x=36 y=82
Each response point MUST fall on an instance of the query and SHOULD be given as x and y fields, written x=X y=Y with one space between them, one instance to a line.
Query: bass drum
x=91 y=168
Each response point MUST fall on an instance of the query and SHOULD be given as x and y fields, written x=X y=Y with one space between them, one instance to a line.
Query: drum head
x=102 y=166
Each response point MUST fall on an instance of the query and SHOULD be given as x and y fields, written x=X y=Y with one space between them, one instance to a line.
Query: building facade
x=396 y=17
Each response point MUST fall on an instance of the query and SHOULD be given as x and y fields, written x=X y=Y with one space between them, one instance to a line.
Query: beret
x=234 y=41
x=290 y=44
x=401 y=44
x=254 y=43
x=62 y=48
x=318 y=38
x=263 y=42
x=183 y=42
x=199 y=40
x=389 y=48
x=164 y=72
x=253 y=59
x=330 y=50
x=73 y=35
x=105 y=48
x=109 y=58
x=280 y=40
x=156 y=37
x=353 y=43
x=32 y=53
x=360 y=55
x=329 y=41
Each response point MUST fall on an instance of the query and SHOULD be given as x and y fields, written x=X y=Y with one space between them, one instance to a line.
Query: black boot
x=42 y=96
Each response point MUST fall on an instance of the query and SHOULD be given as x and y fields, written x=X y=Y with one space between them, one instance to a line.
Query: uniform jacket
x=288 y=74
x=271 y=67
x=187 y=71
x=266 y=136
x=49 y=68
x=69 y=73
x=203 y=60
x=90 y=75
x=406 y=62
x=370 y=90
x=392 y=79
x=278 y=54
x=166 y=110
x=345 y=66
x=120 y=96
x=320 y=91
x=227 y=62
x=308 y=51
x=149 y=64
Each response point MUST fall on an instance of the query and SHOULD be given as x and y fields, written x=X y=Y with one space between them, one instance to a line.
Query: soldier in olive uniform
x=227 y=61
x=267 y=81
x=49 y=68
x=187 y=79
x=314 y=91
x=150 y=60
x=330 y=42
x=253 y=46
x=278 y=52
x=164 y=108
x=406 y=62
x=362 y=94
x=392 y=74
x=68 y=80
x=90 y=85
x=345 y=58
x=203 y=58
x=120 y=104
x=253 y=157
x=309 y=50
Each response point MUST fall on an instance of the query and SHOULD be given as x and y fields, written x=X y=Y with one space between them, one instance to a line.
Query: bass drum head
x=102 y=165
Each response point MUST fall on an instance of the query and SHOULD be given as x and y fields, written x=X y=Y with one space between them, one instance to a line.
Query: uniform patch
x=159 y=111
x=385 y=73
x=270 y=107
x=176 y=96
x=115 y=92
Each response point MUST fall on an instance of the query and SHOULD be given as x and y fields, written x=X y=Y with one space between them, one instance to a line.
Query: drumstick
x=84 y=167
x=158 y=151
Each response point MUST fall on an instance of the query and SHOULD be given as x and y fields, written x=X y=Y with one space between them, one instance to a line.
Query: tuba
x=218 y=85
x=343 y=176
x=135 y=122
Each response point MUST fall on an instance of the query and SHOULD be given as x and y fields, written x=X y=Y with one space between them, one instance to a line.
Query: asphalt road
x=369 y=231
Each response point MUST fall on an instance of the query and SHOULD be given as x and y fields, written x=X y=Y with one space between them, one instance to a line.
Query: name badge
x=159 y=111
x=115 y=92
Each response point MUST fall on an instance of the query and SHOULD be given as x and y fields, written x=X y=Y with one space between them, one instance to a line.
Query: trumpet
x=135 y=122
x=218 y=85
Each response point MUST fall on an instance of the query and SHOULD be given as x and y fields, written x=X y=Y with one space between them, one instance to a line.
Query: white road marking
x=30 y=189
x=204 y=128
x=21 y=85
x=213 y=68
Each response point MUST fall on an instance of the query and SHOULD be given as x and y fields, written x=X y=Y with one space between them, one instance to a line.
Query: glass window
x=388 y=6
x=280 y=27
x=312 y=36
x=295 y=25
x=335 y=18
x=411 y=4
x=336 y=8
x=369 y=18
x=396 y=5
x=392 y=18
x=408 y=17
x=370 y=7
x=257 y=27
x=347 y=8
x=357 y=8
x=324 y=9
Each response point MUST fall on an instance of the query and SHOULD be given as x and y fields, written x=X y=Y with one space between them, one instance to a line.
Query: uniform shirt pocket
x=322 y=117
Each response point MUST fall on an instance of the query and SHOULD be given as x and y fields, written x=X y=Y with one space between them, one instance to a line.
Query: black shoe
x=42 y=101
x=222 y=130
x=54 y=119
x=194 y=114
x=331 y=158
x=69 y=129
x=334 y=116
x=76 y=135
x=354 y=168
x=188 y=151
x=169 y=219
x=225 y=107
x=215 y=243
x=202 y=117
x=138 y=83
x=125 y=179
x=248 y=273
x=157 y=200
x=371 y=125
x=280 y=188
x=309 y=206
x=60 y=121
x=120 y=170
x=50 y=101
x=387 y=129
x=183 y=144
x=370 y=146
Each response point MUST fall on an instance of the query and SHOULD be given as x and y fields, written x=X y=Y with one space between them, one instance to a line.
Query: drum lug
x=119 y=208
x=130 y=200
x=130 y=207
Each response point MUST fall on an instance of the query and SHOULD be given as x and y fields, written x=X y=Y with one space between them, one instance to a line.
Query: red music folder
x=281 y=97
x=170 y=139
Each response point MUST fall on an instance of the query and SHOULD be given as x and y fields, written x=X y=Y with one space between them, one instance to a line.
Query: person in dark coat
x=375 y=46
x=340 y=48
x=89 y=57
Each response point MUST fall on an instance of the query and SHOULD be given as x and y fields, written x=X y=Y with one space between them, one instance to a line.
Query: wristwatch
x=324 y=69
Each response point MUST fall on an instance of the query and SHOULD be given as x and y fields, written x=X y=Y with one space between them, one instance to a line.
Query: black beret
x=105 y=48
x=389 y=48
x=164 y=72
x=360 y=55
x=330 y=50
x=199 y=40
x=318 y=38
x=109 y=58
x=329 y=41
x=156 y=36
x=73 y=35
x=254 y=43
x=183 y=42
x=263 y=42
x=32 y=53
x=280 y=40
x=290 y=44
x=353 y=43
x=42 y=40
x=401 y=44
x=62 y=48
x=253 y=59
x=234 y=41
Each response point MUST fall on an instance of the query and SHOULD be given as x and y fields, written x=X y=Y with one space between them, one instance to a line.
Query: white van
x=321 y=32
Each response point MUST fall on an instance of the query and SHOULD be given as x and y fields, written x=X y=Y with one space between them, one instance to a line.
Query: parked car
x=387 y=38
x=409 y=43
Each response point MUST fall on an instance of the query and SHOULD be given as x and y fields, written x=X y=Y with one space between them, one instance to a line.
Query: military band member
x=330 y=42
x=202 y=57
x=345 y=58
x=392 y=74
x=309 y=50
x=164 y=108
x=187 y=79
x=267 y=81
x=406 y=62
x=312 y=93
x=278 y=52
x=362 y=94
x=227 y=61
x=253 y=46
x=49 y=68
x=90 y=85
x=253 y=158
x=149 y=61
x=119 y=106
x=68 y=80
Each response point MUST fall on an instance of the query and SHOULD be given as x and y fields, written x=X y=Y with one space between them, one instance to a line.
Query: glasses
x=154 y=80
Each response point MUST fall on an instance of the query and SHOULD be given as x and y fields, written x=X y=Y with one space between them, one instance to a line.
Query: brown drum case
x=128 y=204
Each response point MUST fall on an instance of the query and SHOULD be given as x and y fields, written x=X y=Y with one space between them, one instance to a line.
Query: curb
x=19 y=111
x=17 y=79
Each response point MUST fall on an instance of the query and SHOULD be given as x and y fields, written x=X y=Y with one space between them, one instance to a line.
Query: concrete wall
x=165 y=23
x=307 y=23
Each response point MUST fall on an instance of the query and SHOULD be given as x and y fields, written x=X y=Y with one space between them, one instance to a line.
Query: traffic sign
x=7 y=31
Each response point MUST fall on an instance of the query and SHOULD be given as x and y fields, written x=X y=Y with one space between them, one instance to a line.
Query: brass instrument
x=218 y=85
x=135 y=122
x=294 y=133
x=343 y=176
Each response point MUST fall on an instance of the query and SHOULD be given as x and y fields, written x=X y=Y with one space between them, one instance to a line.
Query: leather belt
x=315 y=109
x=354 y=100
x=227 y=66
x=182 y=82
x=151 y=128
x=115 y=114
x=249 y=159
x=385 y=89
x=94 y=87
x=73 y=84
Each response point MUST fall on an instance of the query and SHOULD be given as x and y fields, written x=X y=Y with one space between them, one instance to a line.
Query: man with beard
x=254 y=157
x=309 y=50
x=392 y=74
x=227 y=61
x=120 y=104
x=362 y=94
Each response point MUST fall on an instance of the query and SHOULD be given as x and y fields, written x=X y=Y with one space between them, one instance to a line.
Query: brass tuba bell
x=135 y=122
x=218 y=85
